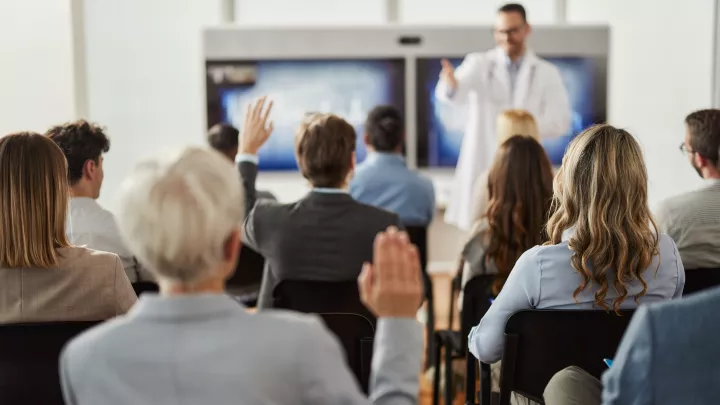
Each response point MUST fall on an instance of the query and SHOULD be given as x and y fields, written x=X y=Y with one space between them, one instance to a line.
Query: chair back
x=539 y=343
x=700 y=279
x=418 y=237
x=338 y=303
x=145 y=286
x=29 y=361
x=248 y=271
x=477 y=294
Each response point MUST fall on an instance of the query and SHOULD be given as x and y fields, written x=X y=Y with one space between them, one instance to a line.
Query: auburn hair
x=520 y=193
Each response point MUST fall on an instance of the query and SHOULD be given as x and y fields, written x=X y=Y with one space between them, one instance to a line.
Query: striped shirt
x=693 y=221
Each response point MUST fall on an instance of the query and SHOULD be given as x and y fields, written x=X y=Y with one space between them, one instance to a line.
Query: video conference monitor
x=441 y=126
x=348 y=88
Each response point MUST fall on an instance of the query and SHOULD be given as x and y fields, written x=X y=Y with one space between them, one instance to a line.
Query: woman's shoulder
x=79 y=256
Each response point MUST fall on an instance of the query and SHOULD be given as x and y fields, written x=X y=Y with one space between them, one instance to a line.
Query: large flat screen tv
x=349 y=88
x=441 y=126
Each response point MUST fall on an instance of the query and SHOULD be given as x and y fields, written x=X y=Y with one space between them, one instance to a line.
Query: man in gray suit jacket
x=668 y=355
x=193 y=344
x=325 y=236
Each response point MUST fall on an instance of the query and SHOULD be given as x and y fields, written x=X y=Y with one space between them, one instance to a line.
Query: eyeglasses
x=685 y=150
x=510 y=31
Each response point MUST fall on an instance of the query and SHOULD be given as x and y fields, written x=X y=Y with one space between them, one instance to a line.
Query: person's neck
x=81 y=190
x=514 y=58
x=343 y=187
x=209 y=286
x=711 y=175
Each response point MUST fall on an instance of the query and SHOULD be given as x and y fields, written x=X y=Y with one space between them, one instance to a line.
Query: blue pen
x=608 y=362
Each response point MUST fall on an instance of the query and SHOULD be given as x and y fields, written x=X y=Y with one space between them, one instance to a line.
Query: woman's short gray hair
x=178 y=210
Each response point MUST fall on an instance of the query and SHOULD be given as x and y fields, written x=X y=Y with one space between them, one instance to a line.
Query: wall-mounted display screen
x=348 y=88
x=441 y=126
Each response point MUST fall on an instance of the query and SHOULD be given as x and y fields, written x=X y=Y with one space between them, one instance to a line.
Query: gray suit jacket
x=669 y=355
x=206 y=349
x=322 y=237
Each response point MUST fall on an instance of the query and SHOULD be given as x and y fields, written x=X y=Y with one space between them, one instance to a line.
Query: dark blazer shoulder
x=380 y=215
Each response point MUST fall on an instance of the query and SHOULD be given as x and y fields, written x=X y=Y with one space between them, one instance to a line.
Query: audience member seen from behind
x=215 y=351
x=43 y=278
x=224 y=138
x=668 y=356
x=326 y=235
x=600 y=214
x=383 y=180
x=509 y=124
x=89 y=224
x=520 y=191
x=692 y=219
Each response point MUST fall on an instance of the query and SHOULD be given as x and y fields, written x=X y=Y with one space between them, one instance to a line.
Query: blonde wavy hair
x=516 y=122
x=600 y=192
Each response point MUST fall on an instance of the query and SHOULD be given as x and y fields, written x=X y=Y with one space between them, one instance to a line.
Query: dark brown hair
x=80 y=141
x=33 y=207
x=223 y=137
x=520 y=193
x=704 y=128
x=324 y=147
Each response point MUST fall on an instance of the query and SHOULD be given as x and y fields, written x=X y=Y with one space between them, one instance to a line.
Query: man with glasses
x=509 y=76
x=693 y=219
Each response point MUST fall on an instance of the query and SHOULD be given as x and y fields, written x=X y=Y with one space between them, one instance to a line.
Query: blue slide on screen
x=348 y=88
x=441 y=126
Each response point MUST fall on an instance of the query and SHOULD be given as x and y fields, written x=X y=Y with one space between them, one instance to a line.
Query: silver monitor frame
x=224 y=43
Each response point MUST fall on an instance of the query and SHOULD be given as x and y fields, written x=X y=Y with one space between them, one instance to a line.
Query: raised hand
x=256 y=128
x=392 y=285
x=447 y=74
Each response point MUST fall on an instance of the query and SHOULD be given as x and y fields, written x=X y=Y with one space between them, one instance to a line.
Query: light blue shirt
x=544 y=279
x=513 y=69
x=669 y=355
x=207 y=349
x=383 y=180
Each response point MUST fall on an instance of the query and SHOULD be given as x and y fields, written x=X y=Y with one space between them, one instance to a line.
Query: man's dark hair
x=223 y=137
x=514 y=8
x=80 y=141
x=704 y=128
x=324 y=145
x=384 y=127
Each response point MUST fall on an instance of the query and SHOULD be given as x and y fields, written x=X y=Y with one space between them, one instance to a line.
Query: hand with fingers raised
x=256 y=128
x=392 y=285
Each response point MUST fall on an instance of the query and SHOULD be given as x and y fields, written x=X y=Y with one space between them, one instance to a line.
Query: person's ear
x=89 y=169
x=366 y=138
x=700 y=161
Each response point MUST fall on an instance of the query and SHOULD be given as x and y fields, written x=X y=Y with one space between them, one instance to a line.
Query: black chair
x=246 y=280
x=476 y=301
x=539 y=343
x=338 y=303
x=145 y=286
x=29 y=361
x=418 y=237
x=700 y=279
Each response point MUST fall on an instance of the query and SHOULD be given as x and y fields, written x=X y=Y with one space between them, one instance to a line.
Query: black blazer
x=321 y=237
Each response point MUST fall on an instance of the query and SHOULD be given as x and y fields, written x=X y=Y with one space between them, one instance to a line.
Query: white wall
x=36 y=64
x=471 y=11
x=660 y=70
x=145 y=77
x=310 y=12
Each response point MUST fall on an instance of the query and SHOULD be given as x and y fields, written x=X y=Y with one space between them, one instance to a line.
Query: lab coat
x=483 y=84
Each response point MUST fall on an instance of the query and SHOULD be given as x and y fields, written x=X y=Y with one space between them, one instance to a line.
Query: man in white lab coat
x=506 y=77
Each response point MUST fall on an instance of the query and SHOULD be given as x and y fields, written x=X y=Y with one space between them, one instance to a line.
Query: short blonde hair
x=516 y=122
x=33 y=201
x=177 y=212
